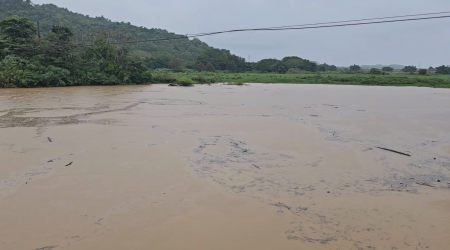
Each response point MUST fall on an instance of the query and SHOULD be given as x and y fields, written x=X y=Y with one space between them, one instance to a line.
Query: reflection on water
x=225 y=167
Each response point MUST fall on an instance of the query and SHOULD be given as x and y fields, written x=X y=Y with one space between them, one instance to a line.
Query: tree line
x=56 y=60
x=444 y=70
x=217 y=59
x=29 y=58
x=87 y=29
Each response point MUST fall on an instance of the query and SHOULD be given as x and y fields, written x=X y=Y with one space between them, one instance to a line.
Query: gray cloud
x=414 y=43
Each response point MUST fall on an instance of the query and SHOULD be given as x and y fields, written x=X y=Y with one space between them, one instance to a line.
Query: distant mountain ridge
x=87 y=28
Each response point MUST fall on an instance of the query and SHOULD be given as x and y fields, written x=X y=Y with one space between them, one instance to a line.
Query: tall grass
x=189 y=78
x=342 y=79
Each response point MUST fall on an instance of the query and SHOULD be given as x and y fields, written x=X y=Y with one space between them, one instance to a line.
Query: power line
x=370 y=19
x=281 y=28
x=318 y=27
x=347 y=21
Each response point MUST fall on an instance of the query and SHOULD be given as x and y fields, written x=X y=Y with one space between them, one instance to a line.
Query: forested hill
x=86 y=29
x=45 y=46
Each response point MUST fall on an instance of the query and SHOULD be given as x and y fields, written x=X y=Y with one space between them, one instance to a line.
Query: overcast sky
x=417 y=43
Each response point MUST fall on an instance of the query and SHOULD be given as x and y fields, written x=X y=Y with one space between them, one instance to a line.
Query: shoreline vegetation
x=37 y=50
x=192 y=78
x=337 y=78
x=400 y=79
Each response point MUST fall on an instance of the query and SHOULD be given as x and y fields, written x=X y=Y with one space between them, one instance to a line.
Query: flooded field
x=225 y=167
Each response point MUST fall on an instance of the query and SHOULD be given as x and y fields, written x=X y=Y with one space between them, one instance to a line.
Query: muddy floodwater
x=225 y=167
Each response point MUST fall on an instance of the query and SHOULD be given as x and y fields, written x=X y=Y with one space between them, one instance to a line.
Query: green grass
x=397 y=79
x=393 y=79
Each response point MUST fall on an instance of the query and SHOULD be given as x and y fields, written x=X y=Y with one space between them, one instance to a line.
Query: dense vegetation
x=443 y=70
x=44 y=45
x=174 y=54
x=55 y=60
x=291 y=64
x=87 y=29
x=69 y=49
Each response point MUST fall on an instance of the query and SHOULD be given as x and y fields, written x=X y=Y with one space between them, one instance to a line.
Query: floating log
x=423 y=184
x=393 y=151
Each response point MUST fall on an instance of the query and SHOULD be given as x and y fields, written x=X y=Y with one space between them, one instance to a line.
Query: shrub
x=185 y=81
x=410 y=69
x=375 y=71
x=200 y=79
x=164 y=78
x=146 y=77
x=210 y=67
x=355 y=68
x=387 y=69
x=443 y=70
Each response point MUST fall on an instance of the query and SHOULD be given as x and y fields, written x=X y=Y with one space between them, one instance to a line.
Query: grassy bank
x=434 y=81
x=342 y=79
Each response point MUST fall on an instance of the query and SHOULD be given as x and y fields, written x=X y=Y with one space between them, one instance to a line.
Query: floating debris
x=47 y=248
x=256 y=166
x=393 y=151
x=282 y=205
x=424 y=184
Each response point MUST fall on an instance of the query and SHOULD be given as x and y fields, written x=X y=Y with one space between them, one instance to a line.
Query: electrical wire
x=318 y=27
x=348 y=21
x=280 y=28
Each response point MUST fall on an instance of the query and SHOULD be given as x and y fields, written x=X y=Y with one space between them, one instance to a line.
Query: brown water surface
x=225 y=167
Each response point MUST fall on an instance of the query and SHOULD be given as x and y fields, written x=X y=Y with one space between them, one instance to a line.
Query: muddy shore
x=260 y=166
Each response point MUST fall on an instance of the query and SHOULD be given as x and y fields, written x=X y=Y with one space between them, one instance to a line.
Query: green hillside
x=86 y=29
x=70 y=49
